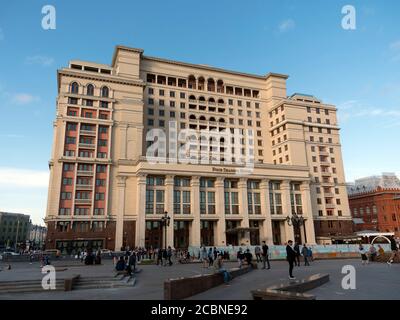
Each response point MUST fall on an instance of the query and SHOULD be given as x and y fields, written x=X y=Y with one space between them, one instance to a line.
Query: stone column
x=244 y=211
x=141 y=211
x=219 y=230
x=119 y=229
x=266 y=229
x=169 y=207
x=195 y=209
x=123 y=129
x=287 y=210
x=307 y=212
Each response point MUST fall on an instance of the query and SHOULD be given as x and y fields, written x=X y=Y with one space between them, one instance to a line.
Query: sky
x=357 y=70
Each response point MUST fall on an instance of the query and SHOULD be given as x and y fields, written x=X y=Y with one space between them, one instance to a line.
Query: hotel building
x=105 y=193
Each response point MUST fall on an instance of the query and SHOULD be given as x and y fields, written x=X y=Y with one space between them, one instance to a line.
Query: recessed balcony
x=85 y=173
x=83 y=201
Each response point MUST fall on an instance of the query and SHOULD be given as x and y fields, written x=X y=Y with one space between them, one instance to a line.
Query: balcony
x=84 y=187
x=83 y=201
x=85 y=173
x=329 y=195
x=330 y=206
x=88 y=132
x=324 y=153
x=87 y=145
x=325 y=163
x=326 y=174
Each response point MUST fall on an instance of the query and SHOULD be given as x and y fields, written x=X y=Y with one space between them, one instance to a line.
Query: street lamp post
x=296 y=221
x=165 y=220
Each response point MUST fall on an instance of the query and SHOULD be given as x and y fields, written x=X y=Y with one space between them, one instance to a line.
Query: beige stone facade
x=105 y=193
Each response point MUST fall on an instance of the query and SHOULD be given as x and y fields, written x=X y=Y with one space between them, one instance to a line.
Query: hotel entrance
x=153 y=234
x=181 y=234
x=254 y=232
x=207 y=232
x=231 y=233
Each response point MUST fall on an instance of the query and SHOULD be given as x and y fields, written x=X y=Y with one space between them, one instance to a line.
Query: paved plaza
x=375 y=281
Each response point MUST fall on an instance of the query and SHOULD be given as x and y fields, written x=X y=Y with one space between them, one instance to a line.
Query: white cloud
x=23 y=178
x=23 y=98
x=286 y=25
x=40 y=60
x=354 y=109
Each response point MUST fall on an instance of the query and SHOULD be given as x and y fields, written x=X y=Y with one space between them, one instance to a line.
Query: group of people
x=209 y=256
x=293 y=254
x=90 y=257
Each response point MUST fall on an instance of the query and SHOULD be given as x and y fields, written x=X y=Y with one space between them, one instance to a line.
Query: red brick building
x=375 y=204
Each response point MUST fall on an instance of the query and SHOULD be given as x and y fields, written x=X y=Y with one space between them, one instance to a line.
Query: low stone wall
x=69 y=282
x=293 y=290
x=182 y=288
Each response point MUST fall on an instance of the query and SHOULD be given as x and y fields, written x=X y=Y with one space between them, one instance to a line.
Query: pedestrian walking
x=240 y=257
x=210 y=257
x=372 y=253
x=290 y=257
x=165 y=257
x=265 y=255
x=203 y=256
x=169 y=255
x=297 y=250
x=215 y=252
x=159 y=256
x=304 y=252
x=257 y=251
x=132 y=263
x=248 y=256
x=363 y=252
x=394 y=248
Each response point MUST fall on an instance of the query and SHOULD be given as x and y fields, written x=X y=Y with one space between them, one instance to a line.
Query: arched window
x=210 y=84
x=220 y=86
x=74 y=87
x=192 y=117
x=221 y=120
x=202 y=118
x=212 y=119
x=221 y=101
x=192 y=82
x=201 y=82
x=105 y=92
x=211 y=100
x=192 y=97
x=202 y=99
x=90 y=90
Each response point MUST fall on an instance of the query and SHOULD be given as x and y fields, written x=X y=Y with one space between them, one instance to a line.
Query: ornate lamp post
x=296 y=221
x=165 y=220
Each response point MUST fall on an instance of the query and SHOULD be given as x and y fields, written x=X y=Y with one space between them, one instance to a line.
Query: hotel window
x=161 y=92
x=161 y=103
x=70 y=140
x=105 y=92
x=150 y=112
x=248 y=105
x=104 y=104
x=101 y=168
x=64 y=211
x=151 y=101
x=317 y=110
x=172 y=114
x=90 y=90
x=150 y=122
x=66 y=195
x=172 y=94
x=99 y=196
x=172 y=104
x=68 y=167
x=257 y=105
x=308 y=109
x=98 y=211
x=275 y=197
x=182 y=115
x=85 y=154
x=183 y=105
x=182 y=95
x=295 y=198
x=327 y=112
x=253 y=197
x=207 y=196
x=231 y=197
x=161 y=123
x=101 y=155
x=71 y=126
x=74 y=88
x=102 y=143
x=150 y=91
x=72 y=101
x=230 y=102
x=161 y=113
x=103 y=129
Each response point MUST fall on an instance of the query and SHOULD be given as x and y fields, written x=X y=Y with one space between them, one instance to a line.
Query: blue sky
x=357 y=70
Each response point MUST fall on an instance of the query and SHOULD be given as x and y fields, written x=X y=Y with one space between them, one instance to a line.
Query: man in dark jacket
x=265 y=255
x=297 y=250
x=132 y=263
x=394 y=248
x=290 y=257
x=248 y=257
